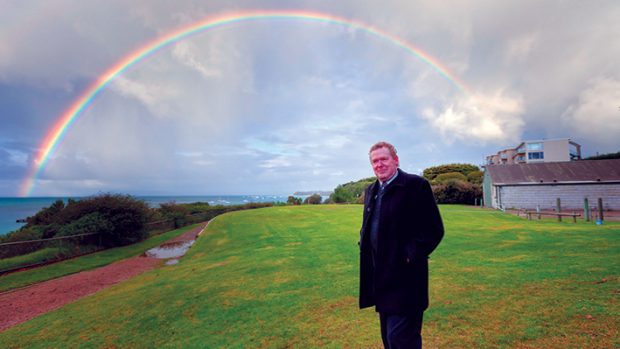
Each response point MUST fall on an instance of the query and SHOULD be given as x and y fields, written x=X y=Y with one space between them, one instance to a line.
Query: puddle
x=171 y=250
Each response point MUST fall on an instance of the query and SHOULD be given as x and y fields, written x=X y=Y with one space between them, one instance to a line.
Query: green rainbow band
x=64 y=122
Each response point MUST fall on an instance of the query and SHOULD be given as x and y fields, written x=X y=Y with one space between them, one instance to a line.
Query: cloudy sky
x=274 y=106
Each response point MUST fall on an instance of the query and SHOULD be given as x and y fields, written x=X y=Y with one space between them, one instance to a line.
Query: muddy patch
x=171 y=250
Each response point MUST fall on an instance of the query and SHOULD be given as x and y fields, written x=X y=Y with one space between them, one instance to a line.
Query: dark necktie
x=374 y=223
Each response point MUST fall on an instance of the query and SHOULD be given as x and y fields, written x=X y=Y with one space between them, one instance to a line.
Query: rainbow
x=64 y=122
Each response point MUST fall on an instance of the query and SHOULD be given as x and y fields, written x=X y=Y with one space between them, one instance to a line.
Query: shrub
x=313 y=199
x=91 y=223
x=49 y=231
x=475 y=177
x=126 y=215
x=47 y=215
x=457 y=192
x=444 y=177
x=292 y=200
x=360 y=199
x=432 y=172
x=176 y=213
x=196 y=207
x=351 y=192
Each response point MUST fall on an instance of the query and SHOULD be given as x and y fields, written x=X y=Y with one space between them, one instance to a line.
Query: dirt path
x=24 y=304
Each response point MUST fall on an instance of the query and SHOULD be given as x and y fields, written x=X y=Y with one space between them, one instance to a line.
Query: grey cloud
x=286 y=105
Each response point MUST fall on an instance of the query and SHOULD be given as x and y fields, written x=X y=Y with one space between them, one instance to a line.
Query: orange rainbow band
x=64 y=122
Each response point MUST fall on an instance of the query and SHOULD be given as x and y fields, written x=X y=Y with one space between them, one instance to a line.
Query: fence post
x=586 y=209
x=600 y=209
x=574 y=216
x=559 y=208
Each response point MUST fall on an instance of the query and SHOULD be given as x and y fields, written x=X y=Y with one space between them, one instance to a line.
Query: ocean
x=12 y=209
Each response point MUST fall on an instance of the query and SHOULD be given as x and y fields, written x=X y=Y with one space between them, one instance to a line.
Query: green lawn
x=70 y=266
x=287 y=277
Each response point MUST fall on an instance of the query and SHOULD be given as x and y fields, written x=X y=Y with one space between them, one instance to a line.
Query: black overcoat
x=410 y=229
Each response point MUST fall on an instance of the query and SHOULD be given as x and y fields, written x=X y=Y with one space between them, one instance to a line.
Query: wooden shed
x=528 y=186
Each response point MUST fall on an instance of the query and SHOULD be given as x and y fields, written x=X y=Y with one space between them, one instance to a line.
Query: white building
x=536 y=151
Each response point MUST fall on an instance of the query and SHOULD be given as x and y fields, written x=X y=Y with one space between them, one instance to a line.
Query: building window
x=538 y=155
x=520 y=158
x=535 y=146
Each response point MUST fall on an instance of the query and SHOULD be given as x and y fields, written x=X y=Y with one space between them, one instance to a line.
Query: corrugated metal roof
x=555 y=172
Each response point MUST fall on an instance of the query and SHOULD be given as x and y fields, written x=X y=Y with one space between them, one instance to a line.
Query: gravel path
x=26 y=303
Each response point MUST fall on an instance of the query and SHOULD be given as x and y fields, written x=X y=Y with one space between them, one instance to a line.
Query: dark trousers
x=401 y=331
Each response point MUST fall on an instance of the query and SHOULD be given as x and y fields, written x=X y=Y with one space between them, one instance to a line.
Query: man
x=400 y=229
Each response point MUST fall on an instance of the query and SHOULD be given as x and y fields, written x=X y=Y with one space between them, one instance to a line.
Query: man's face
x=383 y=164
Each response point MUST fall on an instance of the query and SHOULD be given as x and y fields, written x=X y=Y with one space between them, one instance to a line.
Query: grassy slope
x=91 y=261
x=287 y=276
x=40 y=256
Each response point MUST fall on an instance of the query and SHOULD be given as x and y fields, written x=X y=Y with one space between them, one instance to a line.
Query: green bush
x=91 y=223
x=455 y=191
x=47 y=215
x=48 y=231
x=176 y=213
x=475 y=177
x=125 y=216
x=444 y=177
x=313 y=199
x=360 y=199
x=196 y=207
x=432 y=172
x=351 y=192
x=292 y=200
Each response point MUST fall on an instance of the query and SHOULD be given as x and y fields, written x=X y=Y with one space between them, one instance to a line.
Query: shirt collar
x=391 y=178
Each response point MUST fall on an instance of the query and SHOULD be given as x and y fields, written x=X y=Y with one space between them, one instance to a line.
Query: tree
x=313 y=199
x=292 y=200
x=351 y=192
